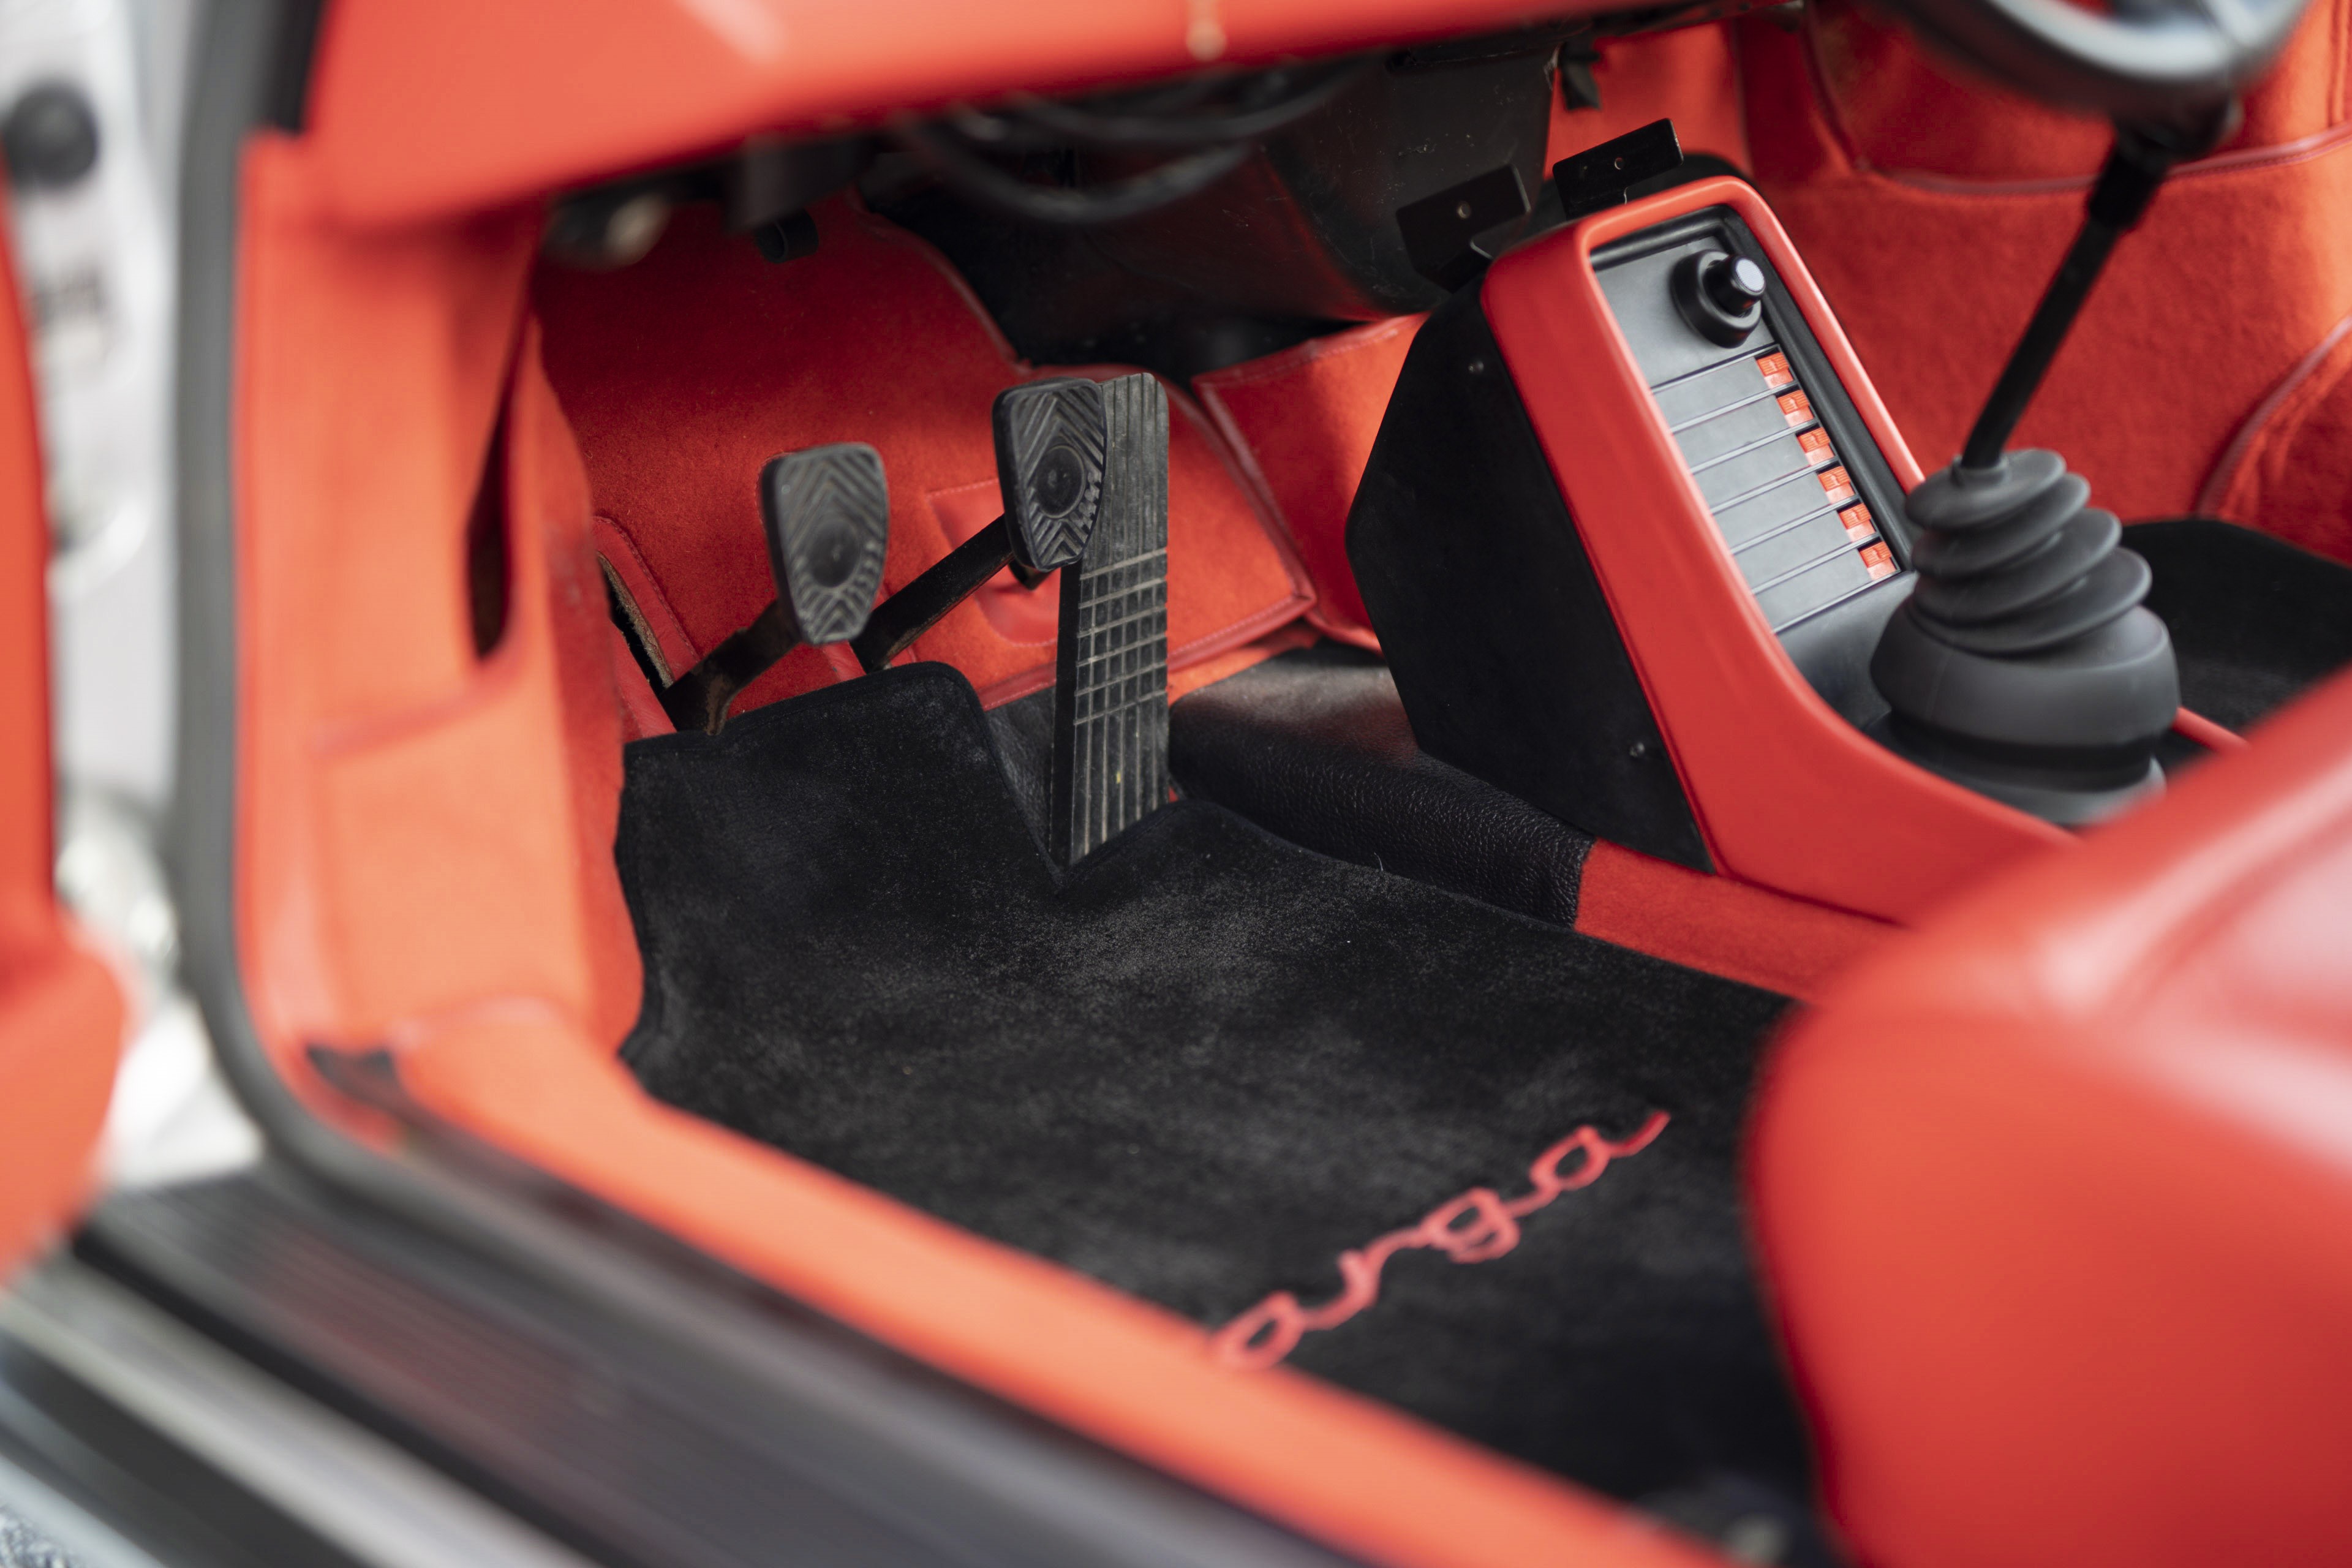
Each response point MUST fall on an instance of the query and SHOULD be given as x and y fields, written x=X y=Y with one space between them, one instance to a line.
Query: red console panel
x=1784 y=789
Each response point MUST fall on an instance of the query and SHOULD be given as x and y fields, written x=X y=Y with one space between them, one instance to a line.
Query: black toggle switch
x=1720 y=295
x=1736 y=288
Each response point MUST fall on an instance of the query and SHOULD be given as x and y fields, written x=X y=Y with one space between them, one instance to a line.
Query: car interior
x=1385 y=763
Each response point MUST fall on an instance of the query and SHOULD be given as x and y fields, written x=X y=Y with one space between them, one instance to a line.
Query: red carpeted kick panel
x=547 y=488
x=1690 y=76
x=685 y=372
x=1933 y=211
x=1304 y=421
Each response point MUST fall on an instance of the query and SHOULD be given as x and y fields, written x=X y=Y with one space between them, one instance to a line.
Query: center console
x=1629 y=534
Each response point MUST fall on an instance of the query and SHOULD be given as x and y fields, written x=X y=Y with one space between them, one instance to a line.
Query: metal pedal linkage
x=1049 y=469
x=1110 y=695
x=827 y=516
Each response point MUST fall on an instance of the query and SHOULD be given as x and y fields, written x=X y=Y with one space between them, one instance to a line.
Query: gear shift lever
x=2022 y=665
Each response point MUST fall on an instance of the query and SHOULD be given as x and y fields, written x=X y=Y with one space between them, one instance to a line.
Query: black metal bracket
x=1600 y=177
x=1439 y=231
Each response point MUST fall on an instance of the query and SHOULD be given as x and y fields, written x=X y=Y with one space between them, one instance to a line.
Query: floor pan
x=1208 y=1064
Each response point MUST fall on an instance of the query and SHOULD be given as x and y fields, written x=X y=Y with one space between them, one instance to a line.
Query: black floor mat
x=2255 y=622
x=1206 y=1066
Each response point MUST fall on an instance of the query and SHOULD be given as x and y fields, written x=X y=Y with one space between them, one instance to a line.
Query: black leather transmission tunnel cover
x=1314 y=746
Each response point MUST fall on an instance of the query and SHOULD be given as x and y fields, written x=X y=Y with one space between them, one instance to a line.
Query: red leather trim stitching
x=1478 y=1226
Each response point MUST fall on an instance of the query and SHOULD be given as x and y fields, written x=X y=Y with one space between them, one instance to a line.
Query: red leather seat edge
x=2056 y=1196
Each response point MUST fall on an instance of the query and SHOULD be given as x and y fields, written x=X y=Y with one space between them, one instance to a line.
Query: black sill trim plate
x=635 y=1449
x=147 y=1488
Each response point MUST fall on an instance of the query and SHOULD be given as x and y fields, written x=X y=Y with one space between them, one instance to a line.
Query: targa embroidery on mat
x=1478 y=1226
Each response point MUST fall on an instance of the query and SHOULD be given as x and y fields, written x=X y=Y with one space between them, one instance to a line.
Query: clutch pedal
x=827 y=517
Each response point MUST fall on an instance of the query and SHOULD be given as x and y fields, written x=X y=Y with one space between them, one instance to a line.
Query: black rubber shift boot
x=1207 y=1064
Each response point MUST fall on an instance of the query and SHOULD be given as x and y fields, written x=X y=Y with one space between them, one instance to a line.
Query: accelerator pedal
x=1110 y=695
x=827 y=514
x=1049 y=470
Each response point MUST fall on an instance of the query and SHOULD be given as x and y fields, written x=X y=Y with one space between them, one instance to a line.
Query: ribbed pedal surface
x=1049 y=465
x=828 y=512
x=1110 y=701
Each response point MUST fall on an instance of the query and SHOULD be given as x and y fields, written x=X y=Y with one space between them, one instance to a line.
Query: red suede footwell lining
x=684 y=374
x=1303 y=422
x=1932 y=210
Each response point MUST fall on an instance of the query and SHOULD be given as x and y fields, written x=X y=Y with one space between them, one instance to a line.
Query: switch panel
x=1795 y=485
x=1631 y=530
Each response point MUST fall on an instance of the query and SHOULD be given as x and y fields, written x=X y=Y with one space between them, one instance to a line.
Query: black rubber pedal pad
x=1050 y=447
x=827 y=515
x=827 y=511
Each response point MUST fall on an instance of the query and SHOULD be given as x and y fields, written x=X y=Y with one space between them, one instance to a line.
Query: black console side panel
x=1504 y=650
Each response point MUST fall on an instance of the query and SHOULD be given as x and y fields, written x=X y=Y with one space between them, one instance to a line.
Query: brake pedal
x=1110 y=692
x=827 y=517
x=1049 y=468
